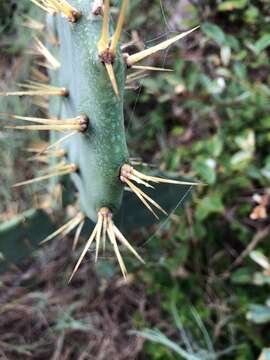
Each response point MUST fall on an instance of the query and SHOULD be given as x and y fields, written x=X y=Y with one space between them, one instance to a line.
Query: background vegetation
x=204 y=292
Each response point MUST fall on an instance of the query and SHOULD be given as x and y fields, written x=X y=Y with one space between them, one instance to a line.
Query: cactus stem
x=133 y=59
x=51 y=62
x=105 y=227
x=37 y=89
x=66 y=228
x=53 y=7
x=63 y=170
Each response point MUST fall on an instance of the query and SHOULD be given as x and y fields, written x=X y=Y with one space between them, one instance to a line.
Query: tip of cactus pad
x=104 y=228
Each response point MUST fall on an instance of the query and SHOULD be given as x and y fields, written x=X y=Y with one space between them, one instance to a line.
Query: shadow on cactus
x=89 y=76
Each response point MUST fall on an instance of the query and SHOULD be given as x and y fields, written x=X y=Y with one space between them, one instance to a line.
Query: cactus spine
x=89 y=75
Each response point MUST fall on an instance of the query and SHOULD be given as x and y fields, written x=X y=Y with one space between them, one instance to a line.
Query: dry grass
x=42 y=317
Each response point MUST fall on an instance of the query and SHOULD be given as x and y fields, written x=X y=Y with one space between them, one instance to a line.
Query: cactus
x=21 y=235
x=88 y=72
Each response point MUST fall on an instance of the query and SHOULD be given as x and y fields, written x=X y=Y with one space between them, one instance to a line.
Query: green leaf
x=22 y=235
x=225 y=54
x=246 y=141
x=232 y=5
x=209 y=205
x=241 y=158
x=259 y=314
x=242 y=276
x=206 y=169
x=262 y=44
x=260 y=259
x=214 y=32
x=215 y=145
x=251 y=14
x=261 y=279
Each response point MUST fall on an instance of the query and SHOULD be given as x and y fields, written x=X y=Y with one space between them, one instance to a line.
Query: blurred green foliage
x=210 y=118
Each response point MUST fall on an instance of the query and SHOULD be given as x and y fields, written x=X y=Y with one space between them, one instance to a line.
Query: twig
x=258 y=237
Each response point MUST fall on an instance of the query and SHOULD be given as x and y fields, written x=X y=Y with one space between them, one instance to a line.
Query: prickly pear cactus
x=88 y=75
